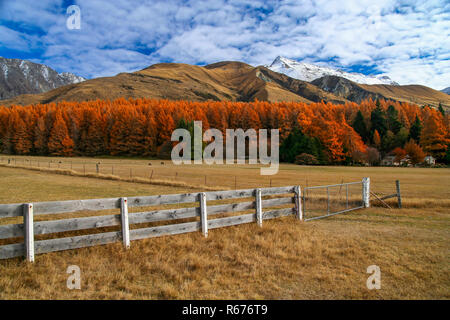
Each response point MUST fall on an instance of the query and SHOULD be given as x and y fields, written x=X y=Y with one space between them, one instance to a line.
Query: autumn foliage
x=144 y=126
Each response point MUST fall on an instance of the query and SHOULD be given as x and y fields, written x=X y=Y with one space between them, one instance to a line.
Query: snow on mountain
x=309 y=72
x=22 y=77
x=70 y=77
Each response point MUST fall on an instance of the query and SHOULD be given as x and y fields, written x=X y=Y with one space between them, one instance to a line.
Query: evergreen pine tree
x=416 y=130
x=378 y=121
x=392 y=120
x=441 y=109
x=360 y=126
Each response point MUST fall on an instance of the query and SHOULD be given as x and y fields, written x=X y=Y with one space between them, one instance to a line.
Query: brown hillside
x=228 y=80
x=356 y=92
x=418 y=94
x=234 y=81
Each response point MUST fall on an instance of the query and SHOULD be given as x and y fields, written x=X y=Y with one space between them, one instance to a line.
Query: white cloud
x=407 y=40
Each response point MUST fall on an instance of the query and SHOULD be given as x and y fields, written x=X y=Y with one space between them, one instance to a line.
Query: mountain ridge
x=226 y=80
x=229 y=81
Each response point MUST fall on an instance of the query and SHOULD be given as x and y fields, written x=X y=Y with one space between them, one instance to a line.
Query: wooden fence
x=28 y=246
x=278 y=201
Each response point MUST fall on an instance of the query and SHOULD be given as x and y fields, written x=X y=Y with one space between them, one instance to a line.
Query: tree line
x=316 y=133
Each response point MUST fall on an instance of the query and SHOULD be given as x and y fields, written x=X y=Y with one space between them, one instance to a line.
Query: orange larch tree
x=59 y=143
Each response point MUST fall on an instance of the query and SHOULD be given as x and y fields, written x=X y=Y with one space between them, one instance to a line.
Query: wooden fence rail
x=29 y=246
x=279 y=201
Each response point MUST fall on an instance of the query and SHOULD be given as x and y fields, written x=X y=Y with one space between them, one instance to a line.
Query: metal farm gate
x=325 y=201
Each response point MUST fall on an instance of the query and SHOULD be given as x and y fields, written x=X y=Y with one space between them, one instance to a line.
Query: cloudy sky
x=407 y=40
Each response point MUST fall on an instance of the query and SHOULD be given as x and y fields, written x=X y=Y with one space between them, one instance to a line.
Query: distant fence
x=288 y=198
x=150 y=170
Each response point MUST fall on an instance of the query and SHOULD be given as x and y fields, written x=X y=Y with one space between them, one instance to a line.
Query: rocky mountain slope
x=25 y=77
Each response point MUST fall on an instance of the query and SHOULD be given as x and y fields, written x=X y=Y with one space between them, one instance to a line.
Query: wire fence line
x=150 y=169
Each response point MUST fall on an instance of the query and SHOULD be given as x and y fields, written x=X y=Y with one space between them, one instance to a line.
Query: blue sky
x=406 y=40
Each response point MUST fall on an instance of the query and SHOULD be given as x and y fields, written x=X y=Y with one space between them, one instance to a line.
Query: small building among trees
x=430 y=160
x=389 y=161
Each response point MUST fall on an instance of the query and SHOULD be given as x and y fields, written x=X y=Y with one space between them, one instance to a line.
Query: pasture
x=285 y=259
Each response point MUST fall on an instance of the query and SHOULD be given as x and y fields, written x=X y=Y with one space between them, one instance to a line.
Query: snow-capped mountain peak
x=309 y=72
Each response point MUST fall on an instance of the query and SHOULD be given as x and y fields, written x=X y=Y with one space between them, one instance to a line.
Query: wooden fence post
x=204 y=214
x=298 y=203
x=366 y=192
x=29 y=231
x=125 y=224
x=399 y=196
x=328 y=200
x=258 y=206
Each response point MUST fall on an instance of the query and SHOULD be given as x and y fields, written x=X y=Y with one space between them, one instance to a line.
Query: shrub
x=305 y=158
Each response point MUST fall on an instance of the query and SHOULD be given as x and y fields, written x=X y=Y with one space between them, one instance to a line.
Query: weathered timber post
x=204 y=213
x=399 y=196
x=258 y=205
x=97 y=169
x=125 y=223
x=346 y=196
x=29 y=231
x=298 y=203
x=328 y=200
x=366 y=192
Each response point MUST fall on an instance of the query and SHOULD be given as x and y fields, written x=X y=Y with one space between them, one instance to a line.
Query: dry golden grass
x=286 y=259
